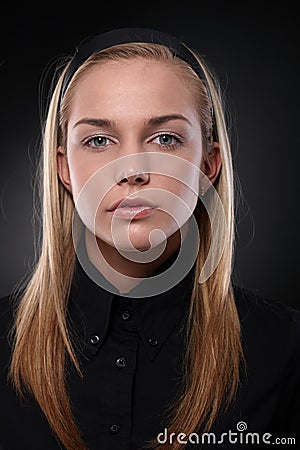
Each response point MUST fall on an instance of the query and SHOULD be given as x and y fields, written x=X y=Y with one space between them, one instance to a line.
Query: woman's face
x=143 y=111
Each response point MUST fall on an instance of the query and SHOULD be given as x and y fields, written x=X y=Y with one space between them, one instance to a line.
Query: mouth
x=132 y=208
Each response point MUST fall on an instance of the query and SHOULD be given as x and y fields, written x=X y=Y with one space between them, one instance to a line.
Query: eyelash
x=178 y=141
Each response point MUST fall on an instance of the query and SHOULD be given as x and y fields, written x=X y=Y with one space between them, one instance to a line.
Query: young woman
x=130 y=333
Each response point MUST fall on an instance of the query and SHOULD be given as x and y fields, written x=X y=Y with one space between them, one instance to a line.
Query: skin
x=129 y=96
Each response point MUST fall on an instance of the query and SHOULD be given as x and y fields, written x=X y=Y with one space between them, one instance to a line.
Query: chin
x=137 y=236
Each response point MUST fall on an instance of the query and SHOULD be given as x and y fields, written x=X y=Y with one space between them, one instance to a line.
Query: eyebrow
x=95 y=122
x=157 y=120
x=167 y=118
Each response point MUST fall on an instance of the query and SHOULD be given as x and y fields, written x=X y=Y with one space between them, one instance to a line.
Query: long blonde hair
x=42 y=338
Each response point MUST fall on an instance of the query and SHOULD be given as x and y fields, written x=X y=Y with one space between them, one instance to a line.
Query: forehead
x=135 y=87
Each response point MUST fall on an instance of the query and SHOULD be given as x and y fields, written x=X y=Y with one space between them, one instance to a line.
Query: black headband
x=130 y=35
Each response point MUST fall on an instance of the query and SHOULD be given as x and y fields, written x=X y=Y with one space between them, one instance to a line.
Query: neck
x=124 y=273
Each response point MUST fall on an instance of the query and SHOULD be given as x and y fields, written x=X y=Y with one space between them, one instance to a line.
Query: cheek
x=90 y=187
x=178 y=197
x=81 y=171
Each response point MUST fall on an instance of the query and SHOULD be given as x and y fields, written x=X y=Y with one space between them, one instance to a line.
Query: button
x=115 y=428
x=125 y=315
x=153 y=341
x=121 y=362
x=94 y=339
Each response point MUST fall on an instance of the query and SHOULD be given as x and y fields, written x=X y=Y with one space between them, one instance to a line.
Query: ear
x=212 y=162
x=63 y=169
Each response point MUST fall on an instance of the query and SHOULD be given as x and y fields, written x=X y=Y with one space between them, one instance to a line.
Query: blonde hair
x=42 y=337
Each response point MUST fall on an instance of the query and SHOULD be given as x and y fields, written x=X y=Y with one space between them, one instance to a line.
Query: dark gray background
x=254 y=50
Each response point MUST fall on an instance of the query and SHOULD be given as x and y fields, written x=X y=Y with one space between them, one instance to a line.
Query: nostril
x=137 y=178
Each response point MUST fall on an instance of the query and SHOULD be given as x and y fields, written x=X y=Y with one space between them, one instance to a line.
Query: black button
x=121 y=362
x=153 y=341
x=95 y=339
x=126 y=315
x=115 y=428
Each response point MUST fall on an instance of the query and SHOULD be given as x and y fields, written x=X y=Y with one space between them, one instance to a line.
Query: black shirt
x=131 y=353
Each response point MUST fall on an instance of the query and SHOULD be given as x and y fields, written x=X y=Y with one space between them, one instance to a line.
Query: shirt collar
x=90 y=310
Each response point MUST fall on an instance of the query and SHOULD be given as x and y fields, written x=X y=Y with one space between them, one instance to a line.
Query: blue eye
x=167 y=140
x=97 y=141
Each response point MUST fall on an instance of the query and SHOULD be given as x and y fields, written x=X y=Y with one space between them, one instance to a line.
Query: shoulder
x=270 y=329
x=263 y=309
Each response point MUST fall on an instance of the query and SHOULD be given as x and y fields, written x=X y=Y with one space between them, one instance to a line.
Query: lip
x=132 y=208
x=127 y=203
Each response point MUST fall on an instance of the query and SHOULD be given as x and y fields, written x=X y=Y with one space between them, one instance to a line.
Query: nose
x=132 y=168
x=140 y=178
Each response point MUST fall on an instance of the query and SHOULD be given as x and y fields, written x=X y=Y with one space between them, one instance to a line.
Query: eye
x=97 y=141
x=167 y=140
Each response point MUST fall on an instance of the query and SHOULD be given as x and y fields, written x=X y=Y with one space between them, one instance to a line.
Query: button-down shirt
x=131 y=354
